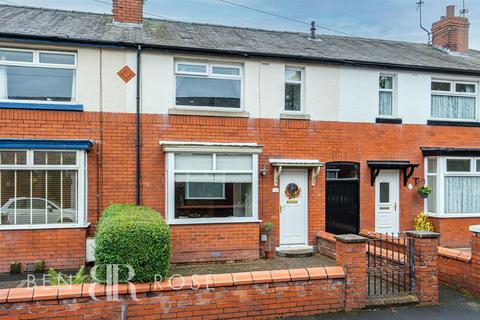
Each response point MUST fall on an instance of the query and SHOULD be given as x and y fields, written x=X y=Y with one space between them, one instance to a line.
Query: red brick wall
x=451 y=32
x=454 y=231
x=258 y=295
x=112 y=173
x=59 y=248
x=217 y=242
x=459 y=268
x=128 y=11
x=326 y=244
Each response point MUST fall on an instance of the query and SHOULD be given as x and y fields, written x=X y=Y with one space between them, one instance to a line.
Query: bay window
x=456 y=186
x=42 y=187
x=34 y=75
x=208 y=85
x=211 y=187
x=454 y=100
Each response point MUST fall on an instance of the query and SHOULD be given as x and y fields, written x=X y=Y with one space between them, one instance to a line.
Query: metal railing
x=390 y=264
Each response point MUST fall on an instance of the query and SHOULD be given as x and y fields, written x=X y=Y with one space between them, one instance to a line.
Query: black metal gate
x=342 y=198
x=390 y=264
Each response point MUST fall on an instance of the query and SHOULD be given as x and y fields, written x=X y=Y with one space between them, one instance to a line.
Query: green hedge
x=135 y=236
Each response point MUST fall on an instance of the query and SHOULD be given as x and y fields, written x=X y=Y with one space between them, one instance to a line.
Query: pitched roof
x=28 y=22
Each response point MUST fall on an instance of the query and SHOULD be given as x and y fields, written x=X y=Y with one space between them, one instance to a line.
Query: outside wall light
x=263 y=170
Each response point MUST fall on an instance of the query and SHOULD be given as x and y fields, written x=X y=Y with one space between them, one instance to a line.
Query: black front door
x=342 y=198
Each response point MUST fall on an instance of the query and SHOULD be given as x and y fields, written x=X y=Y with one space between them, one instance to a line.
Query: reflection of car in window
x=34 y=210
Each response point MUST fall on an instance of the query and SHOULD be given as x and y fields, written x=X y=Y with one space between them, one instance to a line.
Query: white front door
x=293 y=207
x=387 y=202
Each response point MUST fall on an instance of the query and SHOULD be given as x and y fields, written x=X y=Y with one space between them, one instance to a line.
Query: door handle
x=395 y=206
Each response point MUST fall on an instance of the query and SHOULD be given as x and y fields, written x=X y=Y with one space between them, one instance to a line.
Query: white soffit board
x=195 y=146
x=295 y=163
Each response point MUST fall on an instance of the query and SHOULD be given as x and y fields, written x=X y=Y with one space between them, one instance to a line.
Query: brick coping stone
x=38 y=293
x=350 y=238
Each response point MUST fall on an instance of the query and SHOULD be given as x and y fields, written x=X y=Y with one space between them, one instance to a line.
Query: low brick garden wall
x=326 y=244
x=249 y=295
x=459 y=268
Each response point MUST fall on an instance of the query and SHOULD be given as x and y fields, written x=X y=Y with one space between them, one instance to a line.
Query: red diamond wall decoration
x=126 y=74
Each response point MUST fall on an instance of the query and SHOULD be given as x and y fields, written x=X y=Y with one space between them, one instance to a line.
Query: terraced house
x=223 y=128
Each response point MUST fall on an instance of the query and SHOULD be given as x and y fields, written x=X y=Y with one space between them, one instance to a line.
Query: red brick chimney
x=451 y=32
x=128 y=11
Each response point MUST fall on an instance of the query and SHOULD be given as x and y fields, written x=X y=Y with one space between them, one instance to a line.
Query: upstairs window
x=454 y=100
x=208 y=85
x=41 y=187
x=386 y=87
x=293 y=89
x=33 y=75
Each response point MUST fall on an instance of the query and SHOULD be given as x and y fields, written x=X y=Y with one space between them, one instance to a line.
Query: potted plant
x=424 y=191
x=267 y=229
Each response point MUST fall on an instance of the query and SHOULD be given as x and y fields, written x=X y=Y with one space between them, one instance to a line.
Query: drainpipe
x=138 y=195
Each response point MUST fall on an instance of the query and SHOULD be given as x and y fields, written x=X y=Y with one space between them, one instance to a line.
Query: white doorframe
x=387 y=212
x=299 y=176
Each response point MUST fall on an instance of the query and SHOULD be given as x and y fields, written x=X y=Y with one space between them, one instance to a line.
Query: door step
x=295 y=251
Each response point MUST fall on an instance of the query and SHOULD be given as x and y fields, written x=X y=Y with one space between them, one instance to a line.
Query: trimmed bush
x=134 y=236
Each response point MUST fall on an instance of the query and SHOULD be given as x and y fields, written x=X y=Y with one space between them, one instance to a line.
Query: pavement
x=453 y=305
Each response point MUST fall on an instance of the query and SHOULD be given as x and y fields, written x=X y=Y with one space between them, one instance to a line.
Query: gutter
x=138 y=195
x=244 y=54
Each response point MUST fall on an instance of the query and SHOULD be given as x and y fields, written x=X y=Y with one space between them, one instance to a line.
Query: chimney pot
x=451 y=11
x=128 y=12
x=451 y=32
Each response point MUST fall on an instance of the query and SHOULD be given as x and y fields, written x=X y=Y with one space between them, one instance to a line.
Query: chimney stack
x=128 y=12
x=451 y=32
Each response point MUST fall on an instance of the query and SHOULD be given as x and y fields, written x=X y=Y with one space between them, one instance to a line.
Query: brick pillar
x=351 y=255
x=426 y=265
x=475 y=276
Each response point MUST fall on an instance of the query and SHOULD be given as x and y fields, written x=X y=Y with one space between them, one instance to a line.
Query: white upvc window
x=208 y=86
x=455 y=182
x=454 y=100
x=42 y=188
x=37 y=76
x=211 y=187
x=386 y=96
x=294 y=87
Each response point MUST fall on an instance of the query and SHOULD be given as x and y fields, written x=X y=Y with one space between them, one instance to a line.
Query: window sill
x=208 y=113
x=210 y=221
x=44 y=227
x=40 y=106
x=453 y=123
x=294 y=116
x=452 y=215
x=389 y=120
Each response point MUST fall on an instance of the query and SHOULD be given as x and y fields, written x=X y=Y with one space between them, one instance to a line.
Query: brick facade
x=59 y=248
x=111 y=163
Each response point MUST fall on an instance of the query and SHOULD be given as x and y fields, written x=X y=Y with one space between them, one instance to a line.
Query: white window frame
x=82 y=201
x=302 y=89
x=453 y=93
x=36 y=64
x=209 y=74
x=440 y=192
x=170 y=194
x=393 y=90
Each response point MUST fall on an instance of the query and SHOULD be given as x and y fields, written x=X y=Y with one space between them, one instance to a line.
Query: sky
x=384 y=19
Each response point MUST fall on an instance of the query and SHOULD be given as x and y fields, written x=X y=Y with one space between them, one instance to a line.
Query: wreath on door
x=292 y=191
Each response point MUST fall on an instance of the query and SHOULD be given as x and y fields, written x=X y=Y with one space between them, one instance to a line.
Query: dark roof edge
x=245 y=54
x=465 y=152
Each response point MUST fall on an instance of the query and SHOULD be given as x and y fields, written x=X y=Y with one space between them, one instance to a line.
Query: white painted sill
x=210 y=221
x=44 y=227
x=452 y=215
x=294 y=116
x=209 y=113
